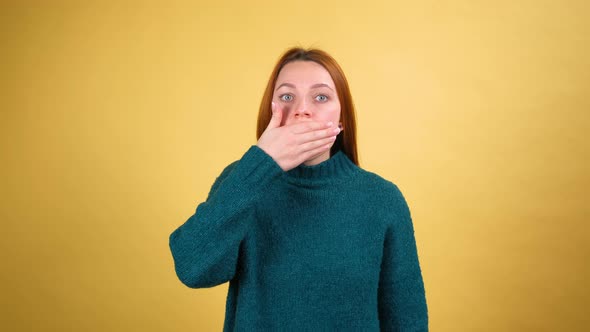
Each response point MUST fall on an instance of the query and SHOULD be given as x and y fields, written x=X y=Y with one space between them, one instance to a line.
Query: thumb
x=277 y=115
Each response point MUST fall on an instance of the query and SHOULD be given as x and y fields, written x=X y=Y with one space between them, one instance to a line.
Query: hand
x=291 y=145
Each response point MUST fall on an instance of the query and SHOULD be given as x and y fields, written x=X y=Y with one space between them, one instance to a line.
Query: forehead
x=304 y=73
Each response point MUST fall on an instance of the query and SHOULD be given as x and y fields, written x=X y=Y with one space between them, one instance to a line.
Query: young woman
x=308 y=240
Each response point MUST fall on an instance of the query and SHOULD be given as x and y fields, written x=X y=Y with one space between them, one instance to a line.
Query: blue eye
x=321 y=98
x=286 y=97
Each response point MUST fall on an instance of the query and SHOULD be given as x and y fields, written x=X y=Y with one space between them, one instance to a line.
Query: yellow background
x=117 y=117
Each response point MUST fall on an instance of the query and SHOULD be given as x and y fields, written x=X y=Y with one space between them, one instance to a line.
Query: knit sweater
x=328 y=247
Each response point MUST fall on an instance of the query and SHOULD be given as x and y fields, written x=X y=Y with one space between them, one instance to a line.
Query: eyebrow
x=318 y=85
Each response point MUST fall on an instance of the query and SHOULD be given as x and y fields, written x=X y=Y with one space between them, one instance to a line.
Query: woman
x=308 y=240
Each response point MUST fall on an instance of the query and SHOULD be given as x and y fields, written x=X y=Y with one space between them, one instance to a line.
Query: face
x=305 y=91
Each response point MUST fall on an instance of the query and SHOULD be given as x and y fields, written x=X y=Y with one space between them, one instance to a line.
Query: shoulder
x=377 y=182
x=386 y=191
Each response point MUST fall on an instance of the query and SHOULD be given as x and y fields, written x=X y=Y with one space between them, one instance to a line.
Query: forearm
x=205 y=248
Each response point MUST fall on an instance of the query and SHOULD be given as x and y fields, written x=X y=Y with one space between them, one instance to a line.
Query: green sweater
x=328 y=247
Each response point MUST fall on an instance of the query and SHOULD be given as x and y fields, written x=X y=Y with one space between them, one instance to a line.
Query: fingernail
x=272 y=106
x=340 y=125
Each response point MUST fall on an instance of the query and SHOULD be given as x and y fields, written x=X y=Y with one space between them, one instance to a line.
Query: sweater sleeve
x=401 y=297
x=205 y=248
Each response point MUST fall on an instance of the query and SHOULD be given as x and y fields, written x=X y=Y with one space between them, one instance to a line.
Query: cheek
x=329 y=114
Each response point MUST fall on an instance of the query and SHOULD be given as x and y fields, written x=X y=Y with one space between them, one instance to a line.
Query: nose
x=301 y=110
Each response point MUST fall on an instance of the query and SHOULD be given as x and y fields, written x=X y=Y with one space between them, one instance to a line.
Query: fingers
x=317 y=135
x=319 y=143
x=304 y=127
x=277 y=115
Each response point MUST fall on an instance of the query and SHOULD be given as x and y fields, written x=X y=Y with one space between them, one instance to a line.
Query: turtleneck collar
x=336 y=167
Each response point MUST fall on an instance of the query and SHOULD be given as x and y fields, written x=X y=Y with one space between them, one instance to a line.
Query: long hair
x=346 y=140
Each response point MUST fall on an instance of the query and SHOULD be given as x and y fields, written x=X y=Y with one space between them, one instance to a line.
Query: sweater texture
x=328 y=247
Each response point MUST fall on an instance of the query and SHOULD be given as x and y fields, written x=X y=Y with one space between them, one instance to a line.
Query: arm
x=401 y=298
x=205 y=248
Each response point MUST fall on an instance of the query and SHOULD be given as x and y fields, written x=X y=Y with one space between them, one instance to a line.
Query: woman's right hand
x=291 y=145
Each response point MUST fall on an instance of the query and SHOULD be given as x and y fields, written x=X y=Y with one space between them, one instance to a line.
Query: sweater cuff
x=257 y=169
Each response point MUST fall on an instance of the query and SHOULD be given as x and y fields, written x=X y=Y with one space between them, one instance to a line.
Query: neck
x=333 y=168
x=316 y=160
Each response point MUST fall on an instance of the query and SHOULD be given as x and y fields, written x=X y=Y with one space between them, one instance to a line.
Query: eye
x=321 y=98
x=286 y=97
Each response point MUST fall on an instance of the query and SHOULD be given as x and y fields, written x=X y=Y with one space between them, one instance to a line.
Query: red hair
x=346 y=140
